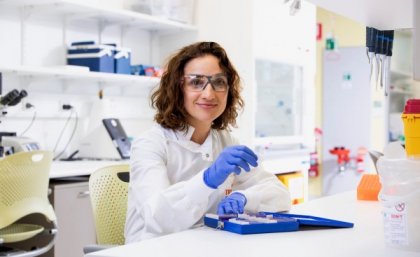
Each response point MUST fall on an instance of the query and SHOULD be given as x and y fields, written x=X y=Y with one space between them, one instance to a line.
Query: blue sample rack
x=269 y=222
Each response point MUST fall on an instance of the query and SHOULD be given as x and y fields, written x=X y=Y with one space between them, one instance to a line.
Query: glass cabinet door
x=279 y=99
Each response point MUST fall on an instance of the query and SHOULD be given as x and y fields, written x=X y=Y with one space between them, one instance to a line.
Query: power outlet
x=64 y=106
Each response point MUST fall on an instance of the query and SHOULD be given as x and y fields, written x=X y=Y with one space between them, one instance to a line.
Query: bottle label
x=395 y=221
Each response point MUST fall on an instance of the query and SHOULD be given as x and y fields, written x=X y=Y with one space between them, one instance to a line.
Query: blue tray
x=269 y=222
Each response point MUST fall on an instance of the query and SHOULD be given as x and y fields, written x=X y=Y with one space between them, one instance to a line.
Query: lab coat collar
x=184 y=136
x=184 y=139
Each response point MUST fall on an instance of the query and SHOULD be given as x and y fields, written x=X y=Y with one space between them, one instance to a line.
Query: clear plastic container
x=177 y=10
x=160 y=8
x=400 y=199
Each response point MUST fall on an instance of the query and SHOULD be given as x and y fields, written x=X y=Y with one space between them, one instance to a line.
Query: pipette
x=388 y=40
x=370 y=48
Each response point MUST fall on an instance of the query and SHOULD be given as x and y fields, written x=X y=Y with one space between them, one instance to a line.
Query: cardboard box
x=295 y=183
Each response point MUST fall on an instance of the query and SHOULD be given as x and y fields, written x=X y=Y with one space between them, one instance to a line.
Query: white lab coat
x=167 y=192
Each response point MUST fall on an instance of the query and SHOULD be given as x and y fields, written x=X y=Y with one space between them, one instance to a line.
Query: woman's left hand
x=233 y=203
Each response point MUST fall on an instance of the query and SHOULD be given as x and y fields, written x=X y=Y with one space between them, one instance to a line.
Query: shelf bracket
x=25 y=13
x=25 y=82
x=64 y=26
x=65 y=86
x=154 y=41
x=123 y=32
x=101 y=28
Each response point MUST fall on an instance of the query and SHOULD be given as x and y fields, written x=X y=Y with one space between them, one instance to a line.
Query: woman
x=187 y=164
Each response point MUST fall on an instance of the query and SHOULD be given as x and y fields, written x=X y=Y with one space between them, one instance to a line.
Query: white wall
x=230 y=24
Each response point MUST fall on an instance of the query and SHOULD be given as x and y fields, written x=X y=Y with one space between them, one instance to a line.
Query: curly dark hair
x=168 y=99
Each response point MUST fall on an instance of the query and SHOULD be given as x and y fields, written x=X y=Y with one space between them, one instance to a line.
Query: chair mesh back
x=109 y=202
x=24 y=179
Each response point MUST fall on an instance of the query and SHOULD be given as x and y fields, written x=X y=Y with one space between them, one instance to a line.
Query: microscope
x=9 y=141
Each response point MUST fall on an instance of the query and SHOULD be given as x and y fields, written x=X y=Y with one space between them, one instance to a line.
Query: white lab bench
x=62 y=169
x=365 y=239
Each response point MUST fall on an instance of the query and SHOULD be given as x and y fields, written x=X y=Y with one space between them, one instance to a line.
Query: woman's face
x=204 y=106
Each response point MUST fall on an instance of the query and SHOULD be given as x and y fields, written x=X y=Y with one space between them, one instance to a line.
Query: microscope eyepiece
x=17 y=99
x=9 y=97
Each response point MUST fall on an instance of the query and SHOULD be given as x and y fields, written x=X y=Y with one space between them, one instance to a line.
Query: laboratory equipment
x=314 y=156
x=107 y=141
x=98 y=57
x=269 y=222
x=9 y=143
x=12 y=98
x=400 y=198
x=371 y=34
x=374 y=155
x=411 y=120
x=369 y=187
x=343 y=156
x=14 y=144
x=379 y=51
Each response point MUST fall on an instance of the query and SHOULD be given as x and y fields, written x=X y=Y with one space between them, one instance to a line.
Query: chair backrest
x=24 y=179
x=108 y=187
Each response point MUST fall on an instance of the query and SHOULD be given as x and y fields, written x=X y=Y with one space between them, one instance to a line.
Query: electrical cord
x=67 y=107
x=29 y=106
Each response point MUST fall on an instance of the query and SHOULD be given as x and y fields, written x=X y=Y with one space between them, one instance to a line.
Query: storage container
x=122 y=60
x=177 y=10
x=400 y=198
x=98 y=58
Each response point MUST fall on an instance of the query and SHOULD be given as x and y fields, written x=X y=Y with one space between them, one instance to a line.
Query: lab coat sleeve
x=155 y=207
x=263 y=191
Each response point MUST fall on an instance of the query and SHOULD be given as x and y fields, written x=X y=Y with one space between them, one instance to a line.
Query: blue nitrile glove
x=231 y=159
x=233 y=203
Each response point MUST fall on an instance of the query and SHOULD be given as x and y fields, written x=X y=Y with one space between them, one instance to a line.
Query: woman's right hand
x=231 y=159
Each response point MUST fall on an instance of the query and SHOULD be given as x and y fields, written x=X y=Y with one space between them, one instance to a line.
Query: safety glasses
x=197 y=82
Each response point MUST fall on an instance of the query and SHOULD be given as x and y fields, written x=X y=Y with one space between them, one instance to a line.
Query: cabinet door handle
x=83 y=194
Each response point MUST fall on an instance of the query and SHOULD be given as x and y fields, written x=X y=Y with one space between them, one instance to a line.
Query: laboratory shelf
x=400 y=91
x=62 y=73
x=398 y=74
x=73 y=10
